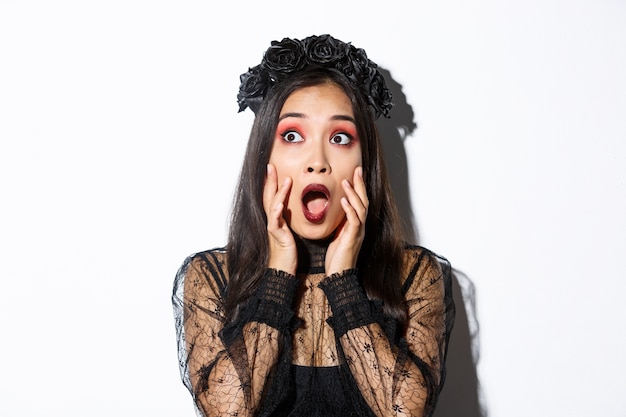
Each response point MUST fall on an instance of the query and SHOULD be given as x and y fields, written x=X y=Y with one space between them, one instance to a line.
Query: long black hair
x=380 y=259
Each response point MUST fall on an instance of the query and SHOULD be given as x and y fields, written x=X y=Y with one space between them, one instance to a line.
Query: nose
x=317 y=161
x=321 y=170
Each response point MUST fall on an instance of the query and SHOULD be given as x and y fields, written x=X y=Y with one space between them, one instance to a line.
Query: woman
x=316 y=306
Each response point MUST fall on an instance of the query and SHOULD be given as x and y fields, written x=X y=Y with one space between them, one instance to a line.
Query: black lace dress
x=334 y=354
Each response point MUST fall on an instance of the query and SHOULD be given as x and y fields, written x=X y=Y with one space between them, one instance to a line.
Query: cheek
x=278 y=161
x=357 y=155
x=349 y=164
x=283 y=169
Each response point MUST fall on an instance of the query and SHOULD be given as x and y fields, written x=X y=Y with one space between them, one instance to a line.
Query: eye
x=292 y=136
x=341 y=139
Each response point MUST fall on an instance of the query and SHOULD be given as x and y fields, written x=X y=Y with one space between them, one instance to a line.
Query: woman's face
x=317 y=145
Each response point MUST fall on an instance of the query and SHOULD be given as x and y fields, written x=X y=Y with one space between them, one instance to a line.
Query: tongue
x=315 y=202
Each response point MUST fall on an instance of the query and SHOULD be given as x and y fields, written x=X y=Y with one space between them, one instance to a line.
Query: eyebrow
x=303 y=116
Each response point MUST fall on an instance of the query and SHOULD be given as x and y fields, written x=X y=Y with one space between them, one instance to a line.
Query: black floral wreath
x=291 y=55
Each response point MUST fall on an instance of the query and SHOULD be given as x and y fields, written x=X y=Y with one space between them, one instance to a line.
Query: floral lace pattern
x=245 y=367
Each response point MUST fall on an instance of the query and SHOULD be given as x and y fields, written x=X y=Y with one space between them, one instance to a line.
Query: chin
x=309 y=230
x=313 y=233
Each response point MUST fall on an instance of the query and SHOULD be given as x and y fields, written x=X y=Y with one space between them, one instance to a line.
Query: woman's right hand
x=283 y=254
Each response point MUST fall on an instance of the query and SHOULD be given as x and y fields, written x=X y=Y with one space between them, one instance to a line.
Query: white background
x=121 y=143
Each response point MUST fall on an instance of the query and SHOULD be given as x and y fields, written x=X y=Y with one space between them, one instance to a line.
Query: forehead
x=322 y=98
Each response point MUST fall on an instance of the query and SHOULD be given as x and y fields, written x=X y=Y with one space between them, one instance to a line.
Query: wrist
x=339 y=266
x=285 y=264
x=283 y=258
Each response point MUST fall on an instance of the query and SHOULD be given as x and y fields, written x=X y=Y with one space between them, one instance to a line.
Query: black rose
x=354 y=65
x=283 y=58
x=254 y=85
x=379 y=96
x=325 y=49
x=291 y=55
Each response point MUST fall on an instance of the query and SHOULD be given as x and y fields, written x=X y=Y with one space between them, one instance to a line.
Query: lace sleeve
x=396 y=376
x=228 y=366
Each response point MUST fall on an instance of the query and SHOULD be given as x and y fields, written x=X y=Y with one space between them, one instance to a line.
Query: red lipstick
x=315 y=202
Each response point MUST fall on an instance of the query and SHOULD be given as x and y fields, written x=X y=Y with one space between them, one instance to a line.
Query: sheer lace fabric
x=312 y=344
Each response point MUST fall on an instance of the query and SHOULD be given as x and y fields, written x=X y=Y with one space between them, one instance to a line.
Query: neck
x=311 y=254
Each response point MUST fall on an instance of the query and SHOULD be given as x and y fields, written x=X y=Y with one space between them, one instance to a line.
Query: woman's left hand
x=343 y=251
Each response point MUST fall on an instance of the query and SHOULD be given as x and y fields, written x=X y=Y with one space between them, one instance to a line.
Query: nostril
x=309 y=169
x=323 y=170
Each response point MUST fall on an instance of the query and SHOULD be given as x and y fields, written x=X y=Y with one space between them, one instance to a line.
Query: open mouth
x=315 y=199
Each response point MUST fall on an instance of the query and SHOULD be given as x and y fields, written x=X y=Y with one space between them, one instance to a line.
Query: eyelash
x=290 y=132
x=348 y=137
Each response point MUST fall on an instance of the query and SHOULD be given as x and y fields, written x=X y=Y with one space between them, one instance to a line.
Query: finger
x=269 y=188
x=282 y=194
x=274 y=217
x=359 y=186
x=355 y=200
x=277 y=205
x=275 y=223
x=352 y=218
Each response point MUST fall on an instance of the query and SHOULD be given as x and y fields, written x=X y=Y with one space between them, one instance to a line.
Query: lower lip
x=314 y=218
